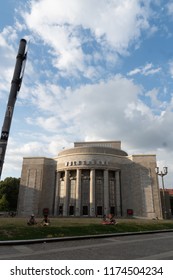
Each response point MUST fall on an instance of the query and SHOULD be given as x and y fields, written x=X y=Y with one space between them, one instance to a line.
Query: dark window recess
x=112 y=210
x=99 y=210
x=60 y=209
x=71 y=210
x=85 y=210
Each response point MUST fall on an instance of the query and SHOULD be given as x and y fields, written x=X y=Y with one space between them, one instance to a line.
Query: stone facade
x=37 y=186
x=91 y=179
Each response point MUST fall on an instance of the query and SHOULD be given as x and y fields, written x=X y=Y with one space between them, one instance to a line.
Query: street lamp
x=162 y=174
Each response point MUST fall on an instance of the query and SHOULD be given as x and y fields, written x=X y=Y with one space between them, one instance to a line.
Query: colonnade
x=70 y=201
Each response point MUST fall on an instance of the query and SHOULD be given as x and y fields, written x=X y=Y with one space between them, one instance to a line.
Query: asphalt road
x=157 y=246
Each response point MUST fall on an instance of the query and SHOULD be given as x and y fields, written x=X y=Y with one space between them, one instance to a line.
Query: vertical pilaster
x=92 y=192
x=66 y=192
x=118 y=193
x=56 y=194
x=106 y=193
x=78 y=192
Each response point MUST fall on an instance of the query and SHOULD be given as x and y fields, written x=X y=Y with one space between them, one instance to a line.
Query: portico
x=87 y=192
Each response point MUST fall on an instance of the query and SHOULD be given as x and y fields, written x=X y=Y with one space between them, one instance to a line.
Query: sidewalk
x=58 y=239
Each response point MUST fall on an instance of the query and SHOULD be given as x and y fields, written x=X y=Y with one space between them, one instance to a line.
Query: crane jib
x=15 y=87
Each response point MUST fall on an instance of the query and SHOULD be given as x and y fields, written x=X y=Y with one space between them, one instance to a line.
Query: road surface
x=157 y=246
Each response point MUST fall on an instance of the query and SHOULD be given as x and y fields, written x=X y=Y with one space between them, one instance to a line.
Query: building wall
x=37 y=186
x=91 y=179
x=140 y=186
x=150 y=184
x=108 y=144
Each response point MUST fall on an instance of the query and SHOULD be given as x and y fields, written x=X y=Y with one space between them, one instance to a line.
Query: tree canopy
x=9 y=189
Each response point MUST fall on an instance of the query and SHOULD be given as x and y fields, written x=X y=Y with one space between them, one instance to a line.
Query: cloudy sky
x=96 y=70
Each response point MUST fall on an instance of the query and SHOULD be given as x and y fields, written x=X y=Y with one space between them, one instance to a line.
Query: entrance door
x=99 y=210
x=112 y=210
x=71 y=210
x=85 y=210
x=61 y=210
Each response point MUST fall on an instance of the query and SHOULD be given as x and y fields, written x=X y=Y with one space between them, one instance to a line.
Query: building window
x=112 y=192
x=99 y=184
x=72 y=191
x=99 y=191
x=85 y=182
x=85 y=191
x=62 y=192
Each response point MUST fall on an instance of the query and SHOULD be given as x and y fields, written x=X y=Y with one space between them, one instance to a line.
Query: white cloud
x=153 y=94
x=145 y=70
x=36 y=145
x=7 y=58
x=15 y=153
x=106 y=110
x=116 y=23
x=48 y=124
x=134 y=72
x=152 y=71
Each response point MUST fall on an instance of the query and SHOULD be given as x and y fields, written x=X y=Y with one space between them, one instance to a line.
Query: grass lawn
x=17 y=228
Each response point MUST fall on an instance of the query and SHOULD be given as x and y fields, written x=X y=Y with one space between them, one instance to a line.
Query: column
x=66 y=192
x=78 y=192
x=56 y=194
x=118 y=193
x=106 y=193
x=92 y=192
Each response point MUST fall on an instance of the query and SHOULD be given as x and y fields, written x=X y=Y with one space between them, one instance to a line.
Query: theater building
x=92 y=179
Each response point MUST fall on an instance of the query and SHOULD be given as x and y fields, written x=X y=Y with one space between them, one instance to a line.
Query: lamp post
x=162 y=174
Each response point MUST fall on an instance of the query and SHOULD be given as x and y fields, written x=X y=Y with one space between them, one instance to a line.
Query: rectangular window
x=62 y=192
x=112 y=192
x=85 y=191
x=72 y=191
x=99 y=191
x=99 y=185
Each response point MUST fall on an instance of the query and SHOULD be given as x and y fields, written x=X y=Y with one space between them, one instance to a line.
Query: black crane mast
x=15 y=87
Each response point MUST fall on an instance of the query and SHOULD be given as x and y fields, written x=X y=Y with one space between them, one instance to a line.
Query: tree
x=4 y=205
x=9 y=189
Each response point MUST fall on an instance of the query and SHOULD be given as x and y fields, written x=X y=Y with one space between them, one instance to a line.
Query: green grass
x=17 y=229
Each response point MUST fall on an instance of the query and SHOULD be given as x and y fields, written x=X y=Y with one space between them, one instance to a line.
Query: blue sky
x=96 y=70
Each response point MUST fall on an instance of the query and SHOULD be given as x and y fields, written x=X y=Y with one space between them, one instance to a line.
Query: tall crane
x=15 y=88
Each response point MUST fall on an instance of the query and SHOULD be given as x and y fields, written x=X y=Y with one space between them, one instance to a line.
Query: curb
x=69 y=238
